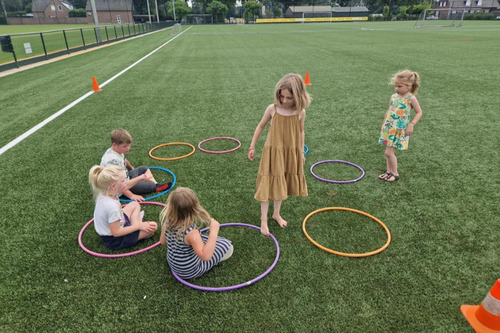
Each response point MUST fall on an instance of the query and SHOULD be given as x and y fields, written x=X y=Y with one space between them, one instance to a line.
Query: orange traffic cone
x=485 y=318
x=307 y=81
x=95 y=86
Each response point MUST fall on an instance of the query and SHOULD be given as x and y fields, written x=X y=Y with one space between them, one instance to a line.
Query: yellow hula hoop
x=344 y=254
x=171 y=144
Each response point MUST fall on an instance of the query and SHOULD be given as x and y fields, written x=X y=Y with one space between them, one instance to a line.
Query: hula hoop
x=171 y=158
x=103 y=255
x=306 y=150
x=344 y=254
x=241 y=285
x=219 y=152
x=338 y=181
x=158 y=194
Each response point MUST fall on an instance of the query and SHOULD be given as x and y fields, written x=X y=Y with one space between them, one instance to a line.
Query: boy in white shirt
x=121 y=141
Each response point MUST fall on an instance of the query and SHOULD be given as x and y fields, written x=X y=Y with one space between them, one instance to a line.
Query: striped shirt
x=183 y=260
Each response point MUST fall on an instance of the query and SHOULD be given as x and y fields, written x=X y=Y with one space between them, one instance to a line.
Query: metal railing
x=26 y=48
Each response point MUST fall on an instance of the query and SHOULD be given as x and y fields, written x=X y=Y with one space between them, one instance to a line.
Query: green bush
x=79 y=12
x=479 y=16
x=17 y=13
x=3 y=20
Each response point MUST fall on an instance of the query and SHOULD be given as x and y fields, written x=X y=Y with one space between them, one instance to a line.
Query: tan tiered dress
x=281 y=170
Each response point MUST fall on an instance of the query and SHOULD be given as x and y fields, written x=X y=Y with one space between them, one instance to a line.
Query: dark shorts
x=143 y=186
x=116 y=243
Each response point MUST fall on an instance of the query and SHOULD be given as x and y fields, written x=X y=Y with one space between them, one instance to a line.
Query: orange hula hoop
x=171 y=158
x=344 y=254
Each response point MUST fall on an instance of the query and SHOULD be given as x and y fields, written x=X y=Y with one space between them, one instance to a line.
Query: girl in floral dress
x=398 y=125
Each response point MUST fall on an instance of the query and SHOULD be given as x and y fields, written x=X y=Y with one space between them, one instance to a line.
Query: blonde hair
x=100 y=179
x=120 y=136
x=183 y=209
x=408 y=78
x=295 y=85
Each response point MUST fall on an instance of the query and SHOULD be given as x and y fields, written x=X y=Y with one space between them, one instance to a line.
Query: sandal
x=391 y=176
x=384 y=176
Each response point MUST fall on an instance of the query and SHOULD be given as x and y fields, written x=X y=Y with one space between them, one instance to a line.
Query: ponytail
x=100 y=178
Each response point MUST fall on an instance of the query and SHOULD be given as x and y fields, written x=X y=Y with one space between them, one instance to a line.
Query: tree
x=387 y=13
x=181 y=10
x=277 y=12
x=79 y=3
x=252 y=8
x=13 y=5
x=218 y=9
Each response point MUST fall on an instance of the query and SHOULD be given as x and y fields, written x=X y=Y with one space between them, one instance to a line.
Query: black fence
x=27 y=48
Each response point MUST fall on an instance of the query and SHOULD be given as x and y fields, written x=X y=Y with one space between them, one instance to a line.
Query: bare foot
x=264 y=229
x=282 y=223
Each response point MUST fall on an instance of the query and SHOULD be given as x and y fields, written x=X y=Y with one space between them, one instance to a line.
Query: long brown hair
x=295 y=85
x=183 y=209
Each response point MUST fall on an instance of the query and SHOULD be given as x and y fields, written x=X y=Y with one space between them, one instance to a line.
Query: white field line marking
x=75 y=102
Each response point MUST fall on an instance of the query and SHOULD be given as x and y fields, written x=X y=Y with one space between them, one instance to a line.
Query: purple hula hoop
x=241 y=285
x=103 y=255
x=338 y=181
x=219 y=152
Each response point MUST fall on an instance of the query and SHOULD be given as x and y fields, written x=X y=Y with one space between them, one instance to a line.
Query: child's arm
x=128 y=165
x=131 y=183
x=418 y=115
x=385 y=116
x=118 y=231
x=203 y=250
x=260 y=127
x=163 y=239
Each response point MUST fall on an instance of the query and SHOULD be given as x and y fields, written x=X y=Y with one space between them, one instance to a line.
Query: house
x=470 y=6
x=111 y=11
x=56 y=10
x=325 y=11
x=308 y=11
x=353 y=11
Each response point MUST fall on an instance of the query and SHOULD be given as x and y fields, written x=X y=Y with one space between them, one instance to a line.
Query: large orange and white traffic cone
x=485 y=318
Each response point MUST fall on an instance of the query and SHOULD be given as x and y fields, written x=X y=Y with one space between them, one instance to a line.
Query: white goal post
x=443 y=17
x=176 y=29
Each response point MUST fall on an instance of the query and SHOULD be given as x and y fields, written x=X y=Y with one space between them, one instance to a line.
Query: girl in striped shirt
x=189 y=253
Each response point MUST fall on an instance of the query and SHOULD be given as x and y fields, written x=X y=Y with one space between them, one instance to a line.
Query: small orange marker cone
x=307 y=81
x=95 y=86
x=485 y=317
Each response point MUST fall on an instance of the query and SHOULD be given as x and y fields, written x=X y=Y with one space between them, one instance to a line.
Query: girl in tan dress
x=281 y=170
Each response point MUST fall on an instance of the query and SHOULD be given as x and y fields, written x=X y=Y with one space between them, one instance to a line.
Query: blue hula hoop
x=158 y=194
x=306 y=150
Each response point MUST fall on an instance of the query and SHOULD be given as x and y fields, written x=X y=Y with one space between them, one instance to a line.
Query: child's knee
x=229 y=253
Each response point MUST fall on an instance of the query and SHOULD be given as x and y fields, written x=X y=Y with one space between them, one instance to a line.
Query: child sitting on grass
x=118 y=228
x=121 y=141
x=189 y=253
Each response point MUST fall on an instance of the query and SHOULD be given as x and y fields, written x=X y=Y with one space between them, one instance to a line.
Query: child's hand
x=145 y=177
x=149 y=226
x=409 y=130
x=135 y=197
x=214 y=225
x=251 y=153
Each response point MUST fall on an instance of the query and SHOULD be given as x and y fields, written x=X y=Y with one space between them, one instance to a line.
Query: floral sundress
x=393 y=133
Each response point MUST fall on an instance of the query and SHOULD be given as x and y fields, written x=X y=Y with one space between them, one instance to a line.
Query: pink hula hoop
x=219 y=138
x=127 y=254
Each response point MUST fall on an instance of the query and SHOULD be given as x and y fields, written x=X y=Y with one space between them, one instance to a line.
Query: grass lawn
x=217 y=81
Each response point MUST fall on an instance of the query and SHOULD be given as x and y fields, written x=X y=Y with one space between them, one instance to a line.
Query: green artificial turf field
x=217 y=81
